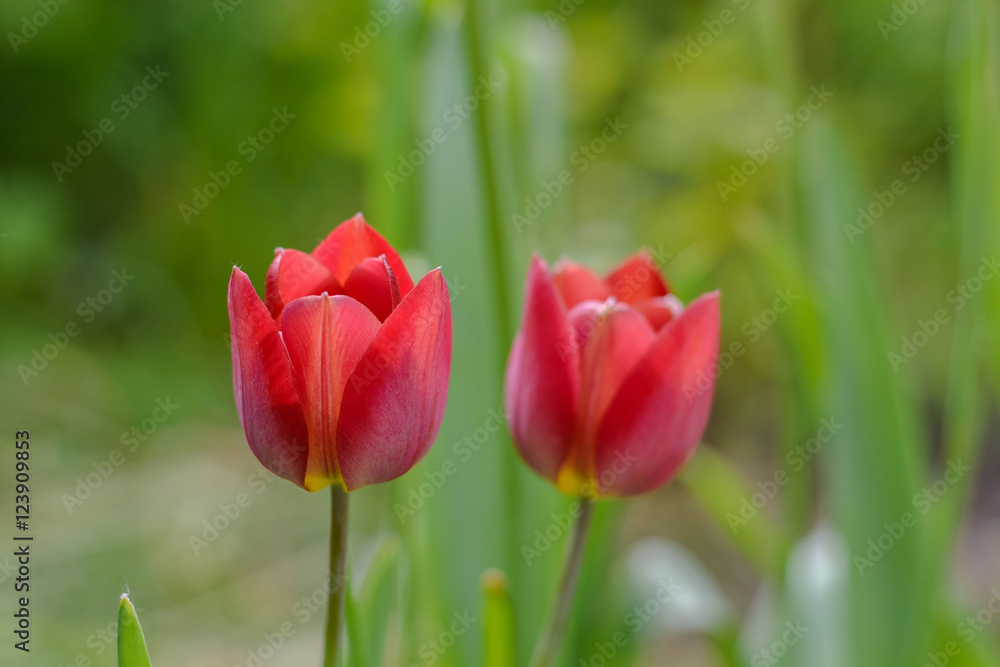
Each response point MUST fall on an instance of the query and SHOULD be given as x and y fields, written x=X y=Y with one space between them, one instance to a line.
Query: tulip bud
x=601 y=383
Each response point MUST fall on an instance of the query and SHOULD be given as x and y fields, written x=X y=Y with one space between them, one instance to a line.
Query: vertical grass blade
x=975 y=102
x=876 y=466
x=356 y=629
x=721 y=491
x=131 y=644
x=471 y=444
x=498 y=622
x=390 y=203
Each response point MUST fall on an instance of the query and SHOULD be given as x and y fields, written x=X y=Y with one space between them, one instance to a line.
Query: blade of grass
x=379 y=598
x=877 y=464
x=976 y=168
x=722 y=491
x=479 y=46
x=464 y=542
x=132 y=650
x=355 y=624
x=392 y=207
x=498 y=622
x=779 y=266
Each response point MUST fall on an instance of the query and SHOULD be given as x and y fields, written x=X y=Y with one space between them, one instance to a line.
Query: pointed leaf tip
x=131 y=643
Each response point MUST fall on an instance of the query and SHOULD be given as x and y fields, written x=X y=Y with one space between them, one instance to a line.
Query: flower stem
x=548 y=643
x=338 y=581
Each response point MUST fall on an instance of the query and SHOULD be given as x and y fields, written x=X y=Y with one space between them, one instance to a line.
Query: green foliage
x=132 y=650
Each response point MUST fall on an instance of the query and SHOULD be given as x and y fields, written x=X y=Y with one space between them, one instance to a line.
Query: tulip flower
x=341 y=372
x=610 y=380
x=608 y=388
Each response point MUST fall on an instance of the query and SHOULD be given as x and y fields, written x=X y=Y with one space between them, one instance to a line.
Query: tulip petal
x=637 y=278
x=353 y=241
x=266 y=397
x=326 y=337
x=395 y=399
x=577 y=283
x=373 y=283
x=612 y=337
x=542 y=382
x=292 y=274
x=656 y=420
x=661 y=310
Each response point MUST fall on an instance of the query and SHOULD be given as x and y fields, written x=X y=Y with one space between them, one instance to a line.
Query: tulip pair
x=341 y=372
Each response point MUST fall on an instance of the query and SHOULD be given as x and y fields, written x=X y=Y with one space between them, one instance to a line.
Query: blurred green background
x=740 y=139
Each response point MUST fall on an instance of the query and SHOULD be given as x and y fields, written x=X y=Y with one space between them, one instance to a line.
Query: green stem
x=551 y=637
x=337 y=583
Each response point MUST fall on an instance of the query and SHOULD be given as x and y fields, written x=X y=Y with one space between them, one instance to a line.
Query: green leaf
x=976 y=167
x=722 y=491
x=498 y=621
x=357 y=638
x=131 y=644
x=876 y=465
x=378 y=603
x=464 y=543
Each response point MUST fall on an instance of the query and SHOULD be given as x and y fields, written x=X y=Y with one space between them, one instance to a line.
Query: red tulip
x=610 y=380
x=342 y=376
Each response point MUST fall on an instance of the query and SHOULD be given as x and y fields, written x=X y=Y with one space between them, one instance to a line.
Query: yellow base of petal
x=572 y=483
x=313 y=483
